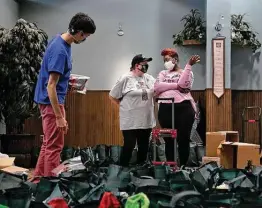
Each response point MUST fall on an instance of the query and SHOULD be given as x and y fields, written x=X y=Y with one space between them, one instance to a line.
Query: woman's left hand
x=193 y=60
x=183 y=90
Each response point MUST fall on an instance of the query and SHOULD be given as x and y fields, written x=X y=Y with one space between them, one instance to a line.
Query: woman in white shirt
x=134 y=93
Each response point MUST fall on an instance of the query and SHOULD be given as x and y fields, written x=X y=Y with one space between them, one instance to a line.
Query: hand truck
x=254 y=120
x=171 y=133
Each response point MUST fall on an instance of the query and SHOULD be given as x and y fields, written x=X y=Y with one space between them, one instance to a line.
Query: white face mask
x=169 y=65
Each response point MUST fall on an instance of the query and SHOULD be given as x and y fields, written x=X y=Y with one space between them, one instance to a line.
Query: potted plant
x=21 y=52
x=194 y=32
x=242 y=33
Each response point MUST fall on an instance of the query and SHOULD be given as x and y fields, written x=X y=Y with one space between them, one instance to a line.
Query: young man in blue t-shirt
x=51 y=89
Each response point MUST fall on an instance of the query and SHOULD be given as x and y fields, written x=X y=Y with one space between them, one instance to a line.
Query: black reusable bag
x=67 y=153
x=180 y=181
x=45 y=188
x=80 y=191
x=205 y=176
x=114 y=154
x=117 y=178
x=13 y=191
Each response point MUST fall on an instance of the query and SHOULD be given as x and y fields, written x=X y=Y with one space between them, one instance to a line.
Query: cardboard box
x=6 y=162
x=236 y=155
x=7 y=165
x=15 y=170
x=210 y=159
x=214 y=139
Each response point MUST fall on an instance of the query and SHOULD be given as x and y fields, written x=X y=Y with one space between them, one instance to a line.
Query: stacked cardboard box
x=224 y=148
x=7 y=165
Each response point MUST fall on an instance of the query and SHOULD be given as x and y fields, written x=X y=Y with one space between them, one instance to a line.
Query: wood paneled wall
x=240 y=100
x=93 y=119
x=218 y=111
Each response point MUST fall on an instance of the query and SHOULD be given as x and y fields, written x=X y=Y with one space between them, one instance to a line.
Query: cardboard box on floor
x=210 y=159
x=6 y=165
x=236 y=155
x=214 y=139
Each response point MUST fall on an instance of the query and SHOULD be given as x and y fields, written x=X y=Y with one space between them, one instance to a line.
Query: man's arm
x=51 y=89
x=56 y=66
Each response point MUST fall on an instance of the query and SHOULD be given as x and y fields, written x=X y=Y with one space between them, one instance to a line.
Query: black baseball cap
x=138 y=59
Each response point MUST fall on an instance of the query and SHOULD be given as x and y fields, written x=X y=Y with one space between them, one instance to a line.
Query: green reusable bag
x=139 y=200
x=156 y=193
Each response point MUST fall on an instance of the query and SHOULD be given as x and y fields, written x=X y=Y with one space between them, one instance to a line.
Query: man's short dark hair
x=82 y=22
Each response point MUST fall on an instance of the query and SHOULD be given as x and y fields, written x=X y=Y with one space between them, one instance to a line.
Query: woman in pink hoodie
x=174 y=82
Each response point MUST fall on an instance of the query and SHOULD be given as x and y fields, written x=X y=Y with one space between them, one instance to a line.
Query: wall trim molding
x=248 y=90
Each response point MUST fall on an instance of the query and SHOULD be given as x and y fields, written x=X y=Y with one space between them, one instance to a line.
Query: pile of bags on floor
x=83 y=181
x=105 y=155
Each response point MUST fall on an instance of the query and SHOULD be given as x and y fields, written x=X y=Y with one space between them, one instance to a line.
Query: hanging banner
x=218 y=60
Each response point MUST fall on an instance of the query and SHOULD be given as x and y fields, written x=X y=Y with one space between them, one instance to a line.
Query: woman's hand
x=194 y=59
x=183 y=90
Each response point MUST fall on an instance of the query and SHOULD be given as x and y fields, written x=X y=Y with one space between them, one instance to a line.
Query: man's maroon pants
x=53 y=142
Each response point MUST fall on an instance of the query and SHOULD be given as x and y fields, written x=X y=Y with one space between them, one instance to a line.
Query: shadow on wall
x=187 y=51
x=199 y=69
x=170 y=24
x=245 y=72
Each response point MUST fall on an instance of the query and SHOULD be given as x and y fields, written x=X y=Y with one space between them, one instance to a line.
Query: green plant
x=194 y=28
x=242 y=33
x=21 y=52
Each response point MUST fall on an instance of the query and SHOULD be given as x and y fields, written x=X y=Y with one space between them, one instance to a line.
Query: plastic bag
x=78 y=83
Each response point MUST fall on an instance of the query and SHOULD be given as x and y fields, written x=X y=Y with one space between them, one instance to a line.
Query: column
x=218 y=111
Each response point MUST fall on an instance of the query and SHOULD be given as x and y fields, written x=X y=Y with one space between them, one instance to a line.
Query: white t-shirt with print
x=137 y=104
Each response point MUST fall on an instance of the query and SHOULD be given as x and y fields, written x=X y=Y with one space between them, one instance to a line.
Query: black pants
x=141 y=136
x=184 y=119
